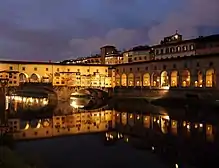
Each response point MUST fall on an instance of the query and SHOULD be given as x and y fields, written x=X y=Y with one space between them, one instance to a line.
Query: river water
x=150 y=136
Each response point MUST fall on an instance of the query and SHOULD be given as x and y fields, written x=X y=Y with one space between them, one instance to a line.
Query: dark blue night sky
x=60 y=29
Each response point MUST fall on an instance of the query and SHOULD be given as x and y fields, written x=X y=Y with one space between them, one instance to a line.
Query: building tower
x=106 y=51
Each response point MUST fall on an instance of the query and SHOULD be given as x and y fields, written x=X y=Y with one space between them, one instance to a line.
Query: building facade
x=173 y=63
x=187 y=72
x=58 y=74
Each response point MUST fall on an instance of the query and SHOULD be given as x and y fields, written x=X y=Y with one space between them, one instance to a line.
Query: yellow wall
x=59 y=75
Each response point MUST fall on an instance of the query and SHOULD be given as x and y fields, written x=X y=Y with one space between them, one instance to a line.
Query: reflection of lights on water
x=166 y=117
x=188 y=126
x=166 y=87
x=184 y=123
x=75 y=105
x=119 y=135
x=26 y=101
x=152 y=148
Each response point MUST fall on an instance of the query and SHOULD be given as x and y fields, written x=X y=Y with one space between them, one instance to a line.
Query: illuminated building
x=177 y=63
x=58 y=74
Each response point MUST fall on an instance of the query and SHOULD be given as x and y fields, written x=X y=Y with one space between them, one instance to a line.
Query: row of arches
x=165 y=79
x=33 y=78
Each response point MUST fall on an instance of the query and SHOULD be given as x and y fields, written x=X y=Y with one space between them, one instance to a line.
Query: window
x=172 y=49
x=23 y=68
x=157 y=52
x=211 y=64
x=68 y=70
x=167 y=50
x=35 y=69
x=178 y=49
x=78 y=70
x=11 y=68
x=174 y=65
x=155 y=67
x=88 y=70
x=184 y=48
x=197 y=64
x=161 y=51
x=130 y=69
x=138 y=69
x=185 y=65
x=57 y=69
x=191 y=47
x=47 y=69
x=146 y=68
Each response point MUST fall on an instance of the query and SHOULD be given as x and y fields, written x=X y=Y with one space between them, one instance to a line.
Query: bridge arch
x=23 y=77
x=186 y=78
x=138 y=80
x=131 y=79
x=199 y=81
x=174 y=78
x=155 y=79
x=146 y=79
x=118 y=80
x=210 y=77
x=164 y=79
x=124 y=80
x=34 y=78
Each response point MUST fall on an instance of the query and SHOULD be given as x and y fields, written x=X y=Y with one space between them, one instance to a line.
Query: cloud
x=50 y=30
x=194 y=15
x=121 y=38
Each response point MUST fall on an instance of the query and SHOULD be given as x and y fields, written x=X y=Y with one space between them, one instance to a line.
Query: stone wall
x=164 y=93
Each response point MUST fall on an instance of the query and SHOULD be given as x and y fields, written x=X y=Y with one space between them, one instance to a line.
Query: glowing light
x=201 y=125
x=27 y=126
x=166 y=117
x=166 y=87
x=75 y=105
x=188 y=126
x=38 y=124
x=176 y=166
x=152 y=148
